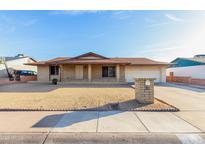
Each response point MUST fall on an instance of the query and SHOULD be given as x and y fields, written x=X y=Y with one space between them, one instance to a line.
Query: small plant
x=55 y=81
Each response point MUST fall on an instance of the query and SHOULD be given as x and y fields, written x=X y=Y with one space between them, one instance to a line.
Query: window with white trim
x=108 y=71
x=54 y=70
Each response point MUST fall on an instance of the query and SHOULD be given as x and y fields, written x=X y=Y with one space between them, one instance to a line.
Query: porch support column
x=89 y=73
x=118 y=72
x=61 y=72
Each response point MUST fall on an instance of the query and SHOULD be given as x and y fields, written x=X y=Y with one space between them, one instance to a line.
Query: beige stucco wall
x=43 y=73
x=97 y=74
x=68 y=72
x=158 y=72
x=122 y=73
x=96 y=71
x=127 y=73
x=85 y=72
x=163 y=74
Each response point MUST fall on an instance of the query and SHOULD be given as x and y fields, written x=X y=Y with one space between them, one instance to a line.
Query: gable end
x=90 y=55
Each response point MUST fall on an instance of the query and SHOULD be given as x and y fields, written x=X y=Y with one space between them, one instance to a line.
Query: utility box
x=144 y=90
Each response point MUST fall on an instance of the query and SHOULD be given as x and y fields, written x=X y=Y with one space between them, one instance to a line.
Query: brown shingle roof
x=57 y=59
x=141 y=61
x=92 y=61
x=103 y=60
x=48 y=61
x=90 y=54
x=131 y=61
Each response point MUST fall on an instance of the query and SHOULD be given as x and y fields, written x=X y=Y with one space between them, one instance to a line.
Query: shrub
x=55 y=81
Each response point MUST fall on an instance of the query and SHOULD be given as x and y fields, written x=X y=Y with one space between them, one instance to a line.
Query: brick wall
x=5 y=81
x=184 y=79
x=28 y=78
x=198 y=82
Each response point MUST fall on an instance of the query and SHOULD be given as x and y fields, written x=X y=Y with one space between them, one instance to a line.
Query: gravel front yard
x=70 y=97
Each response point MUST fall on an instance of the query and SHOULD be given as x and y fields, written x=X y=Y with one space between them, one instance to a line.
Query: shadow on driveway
x=67 y=119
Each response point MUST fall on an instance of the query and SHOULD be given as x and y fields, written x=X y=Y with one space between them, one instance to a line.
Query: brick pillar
x=189 y=80
x=144 y=90
x=171 y=74
x=61 y=73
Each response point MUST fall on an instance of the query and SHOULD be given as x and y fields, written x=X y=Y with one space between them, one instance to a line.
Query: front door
x=79 y=71
x=104 y=71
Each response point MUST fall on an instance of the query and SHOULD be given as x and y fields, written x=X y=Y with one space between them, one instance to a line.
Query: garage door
x=132 y=72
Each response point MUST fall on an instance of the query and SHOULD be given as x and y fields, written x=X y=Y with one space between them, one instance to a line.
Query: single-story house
x=188 y=67
x=92 y=67
x=16 y=63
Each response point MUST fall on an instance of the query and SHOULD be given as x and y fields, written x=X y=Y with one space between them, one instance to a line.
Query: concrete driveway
x=186 y=126
x=185 y=98
x=190 y=100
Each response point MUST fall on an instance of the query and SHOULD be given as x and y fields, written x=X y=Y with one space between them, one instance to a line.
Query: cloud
x=121 y=15
x=158 y=24
x=6 y=18
x=162 y=49
x=73 y=12
x=173 y=17
x=149 y=20
x=166 y=53
x=13 y=24
x=7 y=24
x=30 y=22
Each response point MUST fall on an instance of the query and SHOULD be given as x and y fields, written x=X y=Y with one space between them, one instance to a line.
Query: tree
x=3 y=61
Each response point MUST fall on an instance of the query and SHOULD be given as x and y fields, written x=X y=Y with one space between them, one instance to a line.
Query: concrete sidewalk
x=93 y=121
x=100 y=127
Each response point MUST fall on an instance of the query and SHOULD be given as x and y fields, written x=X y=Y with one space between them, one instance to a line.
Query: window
x=108 y=71
x=54 y=70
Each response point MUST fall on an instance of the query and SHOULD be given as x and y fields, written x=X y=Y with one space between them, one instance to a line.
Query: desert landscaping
x=72 y=97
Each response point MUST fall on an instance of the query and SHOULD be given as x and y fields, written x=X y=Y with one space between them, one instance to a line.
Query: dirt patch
x=75 y=98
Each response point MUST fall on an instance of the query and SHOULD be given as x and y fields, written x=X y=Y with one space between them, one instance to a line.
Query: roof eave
x=35 y=64
x=151 y=64
x=92 y=63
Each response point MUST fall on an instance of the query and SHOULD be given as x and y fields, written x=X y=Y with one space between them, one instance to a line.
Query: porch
x=87 y=73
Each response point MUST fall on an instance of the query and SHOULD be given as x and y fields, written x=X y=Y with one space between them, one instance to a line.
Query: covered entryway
x=92 y=73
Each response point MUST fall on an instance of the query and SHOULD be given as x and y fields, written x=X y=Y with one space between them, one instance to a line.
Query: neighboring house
x=16 y=63
x=92 y=67
x=188 y=67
